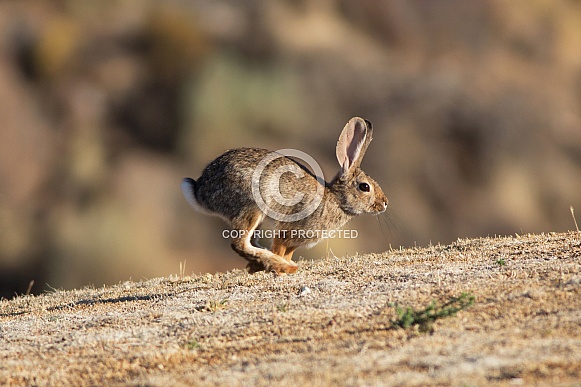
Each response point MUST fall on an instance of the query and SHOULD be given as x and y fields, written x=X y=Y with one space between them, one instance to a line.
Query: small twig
x=573 y=215
x=29 y=289
x=183 y=269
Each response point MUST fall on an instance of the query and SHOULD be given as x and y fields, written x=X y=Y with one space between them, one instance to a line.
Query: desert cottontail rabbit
x=245 y=185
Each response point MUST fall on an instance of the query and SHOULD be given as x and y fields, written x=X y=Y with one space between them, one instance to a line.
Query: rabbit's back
x=224 y=187
x=226 y=184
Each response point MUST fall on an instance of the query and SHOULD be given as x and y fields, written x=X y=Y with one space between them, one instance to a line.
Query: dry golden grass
x=331 y=323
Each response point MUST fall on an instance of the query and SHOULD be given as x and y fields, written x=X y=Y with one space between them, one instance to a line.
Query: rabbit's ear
x=353 y=143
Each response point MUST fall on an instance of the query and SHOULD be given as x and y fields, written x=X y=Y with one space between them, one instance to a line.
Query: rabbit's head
x=356 y=191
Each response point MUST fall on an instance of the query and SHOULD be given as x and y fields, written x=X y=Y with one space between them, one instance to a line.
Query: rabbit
x=228 y=188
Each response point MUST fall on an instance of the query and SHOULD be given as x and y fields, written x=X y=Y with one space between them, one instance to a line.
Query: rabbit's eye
x=364 y=187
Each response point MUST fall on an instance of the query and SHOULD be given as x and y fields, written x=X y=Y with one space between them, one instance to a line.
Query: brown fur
x=225 y=189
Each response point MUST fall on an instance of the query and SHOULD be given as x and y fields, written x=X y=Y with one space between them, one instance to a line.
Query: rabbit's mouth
x=378 y=207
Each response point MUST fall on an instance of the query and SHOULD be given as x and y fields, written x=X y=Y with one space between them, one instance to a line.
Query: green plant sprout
x=425 y=318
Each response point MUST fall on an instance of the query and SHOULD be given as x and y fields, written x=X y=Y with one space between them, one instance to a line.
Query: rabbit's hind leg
x=259 y=259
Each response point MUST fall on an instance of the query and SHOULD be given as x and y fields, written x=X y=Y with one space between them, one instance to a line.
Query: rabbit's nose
x=385 y=202
x=381 y=205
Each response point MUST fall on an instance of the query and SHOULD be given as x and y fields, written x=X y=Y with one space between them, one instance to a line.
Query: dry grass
x=331 y=323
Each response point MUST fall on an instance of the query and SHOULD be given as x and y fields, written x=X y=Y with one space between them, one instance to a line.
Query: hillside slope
x=332 y=322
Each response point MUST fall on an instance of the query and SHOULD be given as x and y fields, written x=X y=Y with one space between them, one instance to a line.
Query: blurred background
x=106 y=105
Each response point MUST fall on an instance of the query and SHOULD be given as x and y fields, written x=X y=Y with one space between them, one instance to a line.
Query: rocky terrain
x=335 y=322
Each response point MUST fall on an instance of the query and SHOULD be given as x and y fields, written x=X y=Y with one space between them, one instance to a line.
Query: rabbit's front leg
x=280 y=249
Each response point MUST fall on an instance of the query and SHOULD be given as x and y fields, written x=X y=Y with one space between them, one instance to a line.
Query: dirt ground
x=329 y=324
